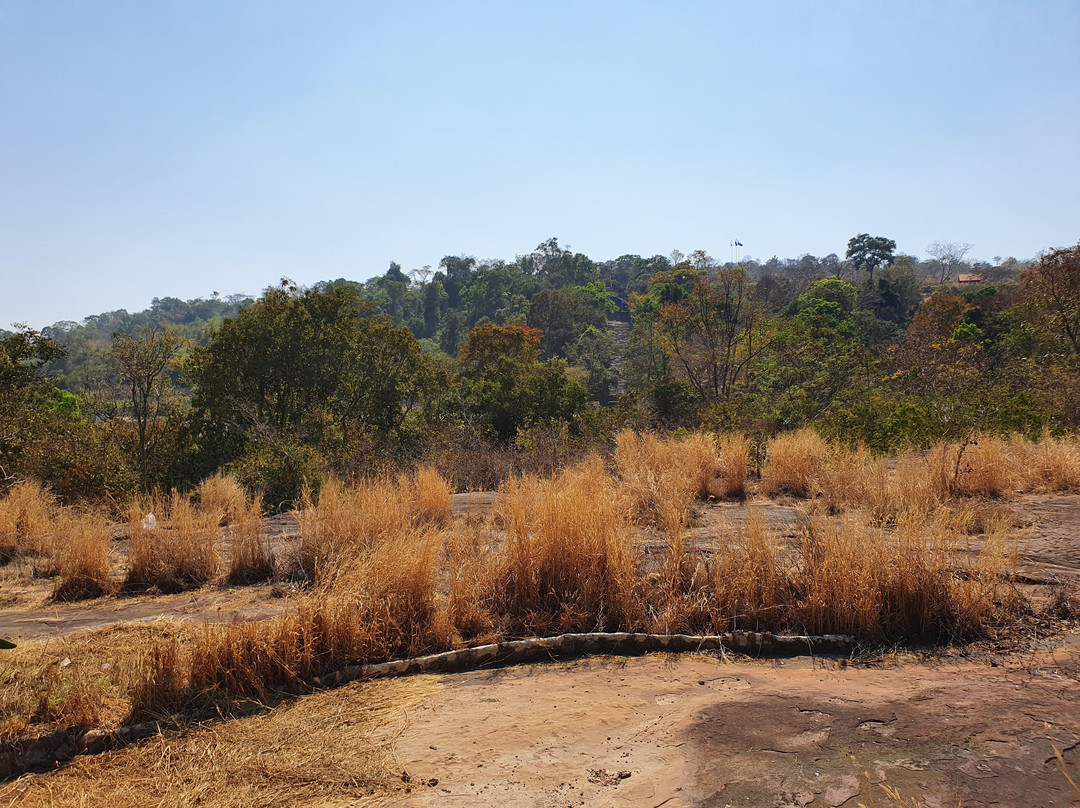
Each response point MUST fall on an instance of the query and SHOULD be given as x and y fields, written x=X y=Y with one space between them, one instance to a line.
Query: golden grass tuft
x=431 y=496
x=663 y=476
x=734 y=467
x=1051 y=464
x=568 y=562
x=26 y=514
x=179 y=552
x=983 y=466
x=345 y=520
x=793 y=462
x=749 y=582
x=250 y=558
x=81 y=557
x=223 y=496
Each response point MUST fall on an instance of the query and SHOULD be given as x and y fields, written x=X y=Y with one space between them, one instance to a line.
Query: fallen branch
x=46 y=751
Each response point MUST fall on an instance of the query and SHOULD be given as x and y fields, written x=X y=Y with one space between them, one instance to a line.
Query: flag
x=738 y=243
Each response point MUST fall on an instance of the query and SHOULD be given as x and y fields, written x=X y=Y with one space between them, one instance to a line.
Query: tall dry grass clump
x=178 y=552
x=905 y=584
x=982 y=466
x=222 y=495
x=751 y=587
x=734 y=467
x=431 y=496
x=663 y=476
x=568 y=561
x=347 y=519
x=384 y=607
x=250 y=556
x=794 y=461
x=1051 y=464
x=26 y=515
x=845 y=478
x=81 y=557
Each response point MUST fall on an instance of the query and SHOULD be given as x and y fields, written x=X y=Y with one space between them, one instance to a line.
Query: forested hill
x=566 y=295
x=545 y=355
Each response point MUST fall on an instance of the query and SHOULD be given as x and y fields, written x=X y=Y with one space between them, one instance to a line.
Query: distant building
x=971 y=277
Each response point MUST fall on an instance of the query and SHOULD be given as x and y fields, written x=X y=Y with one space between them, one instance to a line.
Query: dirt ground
x=698 y=731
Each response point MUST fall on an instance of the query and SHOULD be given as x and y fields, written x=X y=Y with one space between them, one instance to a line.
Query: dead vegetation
x=390 y=573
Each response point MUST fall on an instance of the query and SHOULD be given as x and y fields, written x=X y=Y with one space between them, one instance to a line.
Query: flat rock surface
x=696 y=731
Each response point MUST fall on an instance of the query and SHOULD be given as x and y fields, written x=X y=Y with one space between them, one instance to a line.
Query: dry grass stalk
x=750 y=586
x=81 y=557
x=794 y=462
x=1052 y=464
x=734 y=467
x=26 y=514
x=663 y=476
x=223 y=496
x=250 y=558
x=568 y=560
x=346 y=520
x=175 y=552
x=431 y=496
x=327 y=749
x=983 y=466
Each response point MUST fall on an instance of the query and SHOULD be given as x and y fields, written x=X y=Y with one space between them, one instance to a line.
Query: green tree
x=868 y=252
x=1054 y=284
x=25 y=395
x=713 y=334
x=143 y=361
x=503 y=387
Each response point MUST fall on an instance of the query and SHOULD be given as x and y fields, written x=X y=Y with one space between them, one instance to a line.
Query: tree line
x=549 y=350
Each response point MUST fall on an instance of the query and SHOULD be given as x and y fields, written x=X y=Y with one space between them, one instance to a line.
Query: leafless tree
x=948 y=255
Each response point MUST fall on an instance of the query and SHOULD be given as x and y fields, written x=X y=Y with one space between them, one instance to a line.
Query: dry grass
x=328 y=749
x=1052 y=464
x=223 y=496
x=76 y=681
x=794 y=461
x=730 y=481
x=250 y=558
x=26 y=514
x=81 y=557
x=663 y=476
x=568 y=562
x=345 y=520
x=178 y=552
x=395 y=575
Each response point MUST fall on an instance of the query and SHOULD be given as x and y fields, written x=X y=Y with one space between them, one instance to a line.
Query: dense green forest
x=486 y=366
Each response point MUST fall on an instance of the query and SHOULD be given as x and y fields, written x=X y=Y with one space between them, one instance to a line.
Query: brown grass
x=568 y=562
x=81 y=557
x=250 y=558
x=345 y=520
x=396 y=575
x=26 y=514
x=179 y=553
x=328 y=749
x=663 y=476
x=794 y=461
x=734 y=468
x=223 y=496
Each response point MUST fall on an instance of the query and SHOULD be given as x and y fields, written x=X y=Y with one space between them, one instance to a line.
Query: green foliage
x=869 y=252
x=503 y=387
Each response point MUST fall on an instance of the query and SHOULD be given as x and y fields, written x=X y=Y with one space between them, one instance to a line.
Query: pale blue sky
x=177 y=148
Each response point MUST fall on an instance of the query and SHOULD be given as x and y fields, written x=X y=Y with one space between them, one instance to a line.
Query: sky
x=167 y=148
